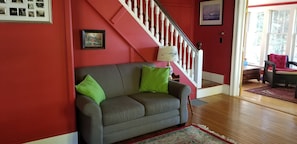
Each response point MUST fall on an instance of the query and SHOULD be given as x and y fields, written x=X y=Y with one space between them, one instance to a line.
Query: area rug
x=283 y=93
x=193 y=134
x=197 y=102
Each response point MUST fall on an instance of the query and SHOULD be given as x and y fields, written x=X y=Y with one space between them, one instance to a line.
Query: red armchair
x=277 y=71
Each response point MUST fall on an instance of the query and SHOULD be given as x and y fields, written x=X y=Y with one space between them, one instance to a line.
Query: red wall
x=125 y=40
x=36 y=79
x=182 y=12
x=37 y=61
x=217 y=56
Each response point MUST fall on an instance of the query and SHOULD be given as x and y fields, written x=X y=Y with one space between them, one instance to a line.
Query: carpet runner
x=194 y=134
x=283 y=93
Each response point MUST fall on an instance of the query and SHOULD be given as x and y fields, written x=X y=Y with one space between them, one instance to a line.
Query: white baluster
x=129 y=4
x=162 y=28
x=146 y=14
x=176 y=38
x=157 y=22
x=189 y=61
x=135 y=8
x=193 y=61
x=167 y=31
x=141 y=10
x=180 y=50
x=185 y=55
x=171 y=34
x=152 y=16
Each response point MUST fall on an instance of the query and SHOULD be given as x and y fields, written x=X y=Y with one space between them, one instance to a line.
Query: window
x=255 y=29
x=270 y=30
x=279 y=26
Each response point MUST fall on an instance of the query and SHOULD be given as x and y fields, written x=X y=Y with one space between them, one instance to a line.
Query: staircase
x=165 y=32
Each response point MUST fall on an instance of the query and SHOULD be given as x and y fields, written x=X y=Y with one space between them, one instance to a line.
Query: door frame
x=237 y=47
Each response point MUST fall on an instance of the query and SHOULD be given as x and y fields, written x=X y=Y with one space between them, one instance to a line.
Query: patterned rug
x=283 y=93
x=194 y=134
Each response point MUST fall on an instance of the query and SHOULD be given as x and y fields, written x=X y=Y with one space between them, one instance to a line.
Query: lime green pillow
x=154 y=79
x=89 y=87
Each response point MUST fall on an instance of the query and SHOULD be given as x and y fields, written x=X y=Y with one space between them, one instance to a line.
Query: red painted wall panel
x=123 y=41
x=217 y=56
x=35 y=95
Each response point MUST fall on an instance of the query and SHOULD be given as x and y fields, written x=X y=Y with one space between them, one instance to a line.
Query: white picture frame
x=36 y=11
x=211 y=12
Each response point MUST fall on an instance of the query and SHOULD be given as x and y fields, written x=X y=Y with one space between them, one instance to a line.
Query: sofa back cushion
x=107 y=76
x=115 y=79
x=131 y=76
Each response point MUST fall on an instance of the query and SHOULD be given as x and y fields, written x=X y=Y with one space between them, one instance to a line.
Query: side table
x=250 y=72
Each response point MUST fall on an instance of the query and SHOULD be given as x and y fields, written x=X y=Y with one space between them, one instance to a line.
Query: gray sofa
x=126 y=113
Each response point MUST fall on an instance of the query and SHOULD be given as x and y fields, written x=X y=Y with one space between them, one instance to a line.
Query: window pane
x=277 y=43
x=277 y=40
x=280 y=21
x=295 y=41
x=295 y=49
x=254 y=38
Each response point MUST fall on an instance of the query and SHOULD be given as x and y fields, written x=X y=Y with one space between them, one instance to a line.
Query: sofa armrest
x=89 y=119
x=182 y=92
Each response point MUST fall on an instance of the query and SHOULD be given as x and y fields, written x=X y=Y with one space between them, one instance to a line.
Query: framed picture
x=26 y=11
x=93 y=39
x=211 y=12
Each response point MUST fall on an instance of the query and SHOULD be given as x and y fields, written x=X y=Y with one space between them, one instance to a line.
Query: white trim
x=213 y=77
x=70 y=138
x=221 y=89
x=237 y=47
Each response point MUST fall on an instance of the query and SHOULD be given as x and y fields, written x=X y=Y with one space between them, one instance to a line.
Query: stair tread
x=207 y=83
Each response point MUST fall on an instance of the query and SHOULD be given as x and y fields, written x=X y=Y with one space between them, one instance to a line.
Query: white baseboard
x=70 y=138
x=221 y=89
x=213 y=77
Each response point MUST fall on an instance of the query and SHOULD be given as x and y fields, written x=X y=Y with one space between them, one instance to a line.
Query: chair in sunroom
x=277 y=70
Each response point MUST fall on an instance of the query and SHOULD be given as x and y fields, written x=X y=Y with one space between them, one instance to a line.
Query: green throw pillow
x=89 y=87
x=154 y=79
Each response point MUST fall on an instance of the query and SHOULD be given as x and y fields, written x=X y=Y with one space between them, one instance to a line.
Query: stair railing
x=165 y=32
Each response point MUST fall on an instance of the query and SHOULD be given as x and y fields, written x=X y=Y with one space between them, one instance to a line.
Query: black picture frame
x=211 y=12
x=93 y=39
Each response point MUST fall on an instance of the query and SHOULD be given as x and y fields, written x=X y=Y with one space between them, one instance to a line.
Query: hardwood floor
x=247 y=119
x=250 y=118
x=284 y=106
x=245 y=122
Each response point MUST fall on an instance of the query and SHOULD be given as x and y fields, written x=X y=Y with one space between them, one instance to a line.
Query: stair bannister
x=153 y=18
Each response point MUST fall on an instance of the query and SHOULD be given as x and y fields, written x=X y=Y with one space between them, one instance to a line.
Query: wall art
x=211 y=12
x=26 y=11
x=93 y=39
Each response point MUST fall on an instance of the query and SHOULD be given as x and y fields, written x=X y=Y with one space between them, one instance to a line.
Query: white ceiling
x=258 y=2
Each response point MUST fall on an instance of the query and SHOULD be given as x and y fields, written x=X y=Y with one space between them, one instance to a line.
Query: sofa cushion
x=120 y=109
x=154 y=79
x=107 y=76
x=89 y=87
x=131 y=74
x=156 y=103
x=279 y=60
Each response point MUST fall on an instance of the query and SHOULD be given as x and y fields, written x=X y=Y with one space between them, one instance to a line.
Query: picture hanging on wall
x=211 y=12
x=93 y=39
x=26 y=11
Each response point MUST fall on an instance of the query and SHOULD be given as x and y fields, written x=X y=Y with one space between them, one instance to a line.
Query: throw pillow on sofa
x=89 y=87
x=154 y=79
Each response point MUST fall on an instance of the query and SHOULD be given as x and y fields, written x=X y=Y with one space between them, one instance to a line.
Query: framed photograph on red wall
x=211 y=12
x=35 y=11
x=93 y=39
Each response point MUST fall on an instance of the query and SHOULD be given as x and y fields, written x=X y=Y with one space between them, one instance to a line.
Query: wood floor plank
x=245 y=122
